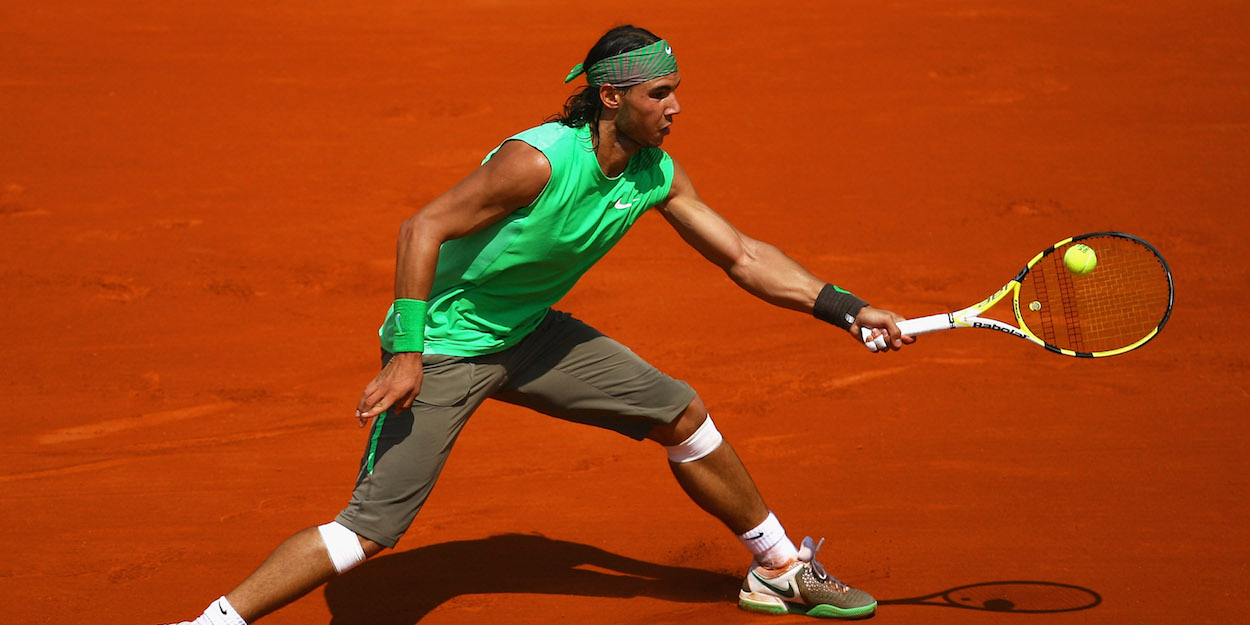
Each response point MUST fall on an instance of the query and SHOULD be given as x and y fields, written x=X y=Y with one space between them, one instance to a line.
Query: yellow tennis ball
x=1080 y=259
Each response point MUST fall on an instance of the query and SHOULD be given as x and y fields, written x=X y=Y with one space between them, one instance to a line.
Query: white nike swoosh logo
x=624 y=206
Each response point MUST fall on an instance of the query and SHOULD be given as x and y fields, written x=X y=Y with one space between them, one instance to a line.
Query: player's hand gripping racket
x=1117 y=306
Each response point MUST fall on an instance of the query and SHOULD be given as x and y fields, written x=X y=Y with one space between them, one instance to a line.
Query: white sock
x=768 y=542
x=220 y=612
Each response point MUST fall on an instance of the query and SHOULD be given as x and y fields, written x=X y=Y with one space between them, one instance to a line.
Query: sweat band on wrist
x=837 y=306
x=407 y=325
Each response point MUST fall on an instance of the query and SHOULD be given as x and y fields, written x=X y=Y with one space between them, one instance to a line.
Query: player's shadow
x=401 y=588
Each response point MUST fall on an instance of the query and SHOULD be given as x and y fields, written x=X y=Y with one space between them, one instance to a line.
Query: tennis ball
x=1080 y=259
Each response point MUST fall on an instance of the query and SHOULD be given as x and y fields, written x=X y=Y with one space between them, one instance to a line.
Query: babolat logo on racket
x=1000 y=328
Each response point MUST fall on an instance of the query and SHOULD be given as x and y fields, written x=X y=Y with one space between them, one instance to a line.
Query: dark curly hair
x=584 y=106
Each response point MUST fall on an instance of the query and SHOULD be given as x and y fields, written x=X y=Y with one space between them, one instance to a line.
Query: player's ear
x=610 y=96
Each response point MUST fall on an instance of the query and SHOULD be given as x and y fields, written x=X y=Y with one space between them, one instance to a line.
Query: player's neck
x=614 y=149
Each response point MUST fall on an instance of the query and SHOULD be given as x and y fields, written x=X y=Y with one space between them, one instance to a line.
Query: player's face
x=647 y=110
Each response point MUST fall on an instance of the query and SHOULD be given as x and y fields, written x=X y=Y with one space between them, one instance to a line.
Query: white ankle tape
x=342 y=545
x=704 y=441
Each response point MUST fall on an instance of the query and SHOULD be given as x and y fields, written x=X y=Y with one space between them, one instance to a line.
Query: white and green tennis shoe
x=803 y=587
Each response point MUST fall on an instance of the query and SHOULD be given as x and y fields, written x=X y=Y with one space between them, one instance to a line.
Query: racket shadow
x=402 y=588
x=1024 y=597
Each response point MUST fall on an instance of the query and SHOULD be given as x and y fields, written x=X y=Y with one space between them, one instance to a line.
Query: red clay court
x=198 y=209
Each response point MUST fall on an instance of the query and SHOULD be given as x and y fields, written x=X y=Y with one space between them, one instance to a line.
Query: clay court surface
x=197 y=230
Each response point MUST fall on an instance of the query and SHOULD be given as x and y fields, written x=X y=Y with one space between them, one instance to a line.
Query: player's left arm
x=761 y=269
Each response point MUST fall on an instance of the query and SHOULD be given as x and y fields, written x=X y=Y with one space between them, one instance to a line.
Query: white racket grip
x=909 y=327
x=925 y=325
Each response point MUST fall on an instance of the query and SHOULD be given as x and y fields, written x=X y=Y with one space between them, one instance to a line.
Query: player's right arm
x=760 y=268
x=511 y=179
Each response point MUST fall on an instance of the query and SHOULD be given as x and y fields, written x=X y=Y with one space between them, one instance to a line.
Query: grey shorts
x=564 y=368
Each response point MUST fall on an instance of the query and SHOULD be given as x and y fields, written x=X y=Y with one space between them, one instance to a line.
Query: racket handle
x=909 y=327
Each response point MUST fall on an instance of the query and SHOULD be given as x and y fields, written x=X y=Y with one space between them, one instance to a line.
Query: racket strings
x=1048 y=321
x=1067 y=299
x=1119 y=303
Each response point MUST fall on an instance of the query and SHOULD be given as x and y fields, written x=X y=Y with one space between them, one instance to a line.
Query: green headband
x=630 y=68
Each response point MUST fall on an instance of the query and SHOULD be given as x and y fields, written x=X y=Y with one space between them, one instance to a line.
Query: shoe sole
x=777 y=606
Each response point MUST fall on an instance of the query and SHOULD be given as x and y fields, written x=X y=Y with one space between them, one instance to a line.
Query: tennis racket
x=1119 y=306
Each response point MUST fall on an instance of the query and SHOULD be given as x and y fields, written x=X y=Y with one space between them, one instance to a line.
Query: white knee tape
x=704 y=441
x=342 y=545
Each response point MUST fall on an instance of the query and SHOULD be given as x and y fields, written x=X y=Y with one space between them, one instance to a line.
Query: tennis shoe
x=803 y=587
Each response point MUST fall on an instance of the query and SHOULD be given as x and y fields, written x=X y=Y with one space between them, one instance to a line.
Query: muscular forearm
x=416 y=256
x=767 y=273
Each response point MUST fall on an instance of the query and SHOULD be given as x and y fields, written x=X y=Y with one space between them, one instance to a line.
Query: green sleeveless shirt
x=493 y=287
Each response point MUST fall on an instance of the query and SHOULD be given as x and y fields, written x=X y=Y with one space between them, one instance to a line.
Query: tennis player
x=477 y=272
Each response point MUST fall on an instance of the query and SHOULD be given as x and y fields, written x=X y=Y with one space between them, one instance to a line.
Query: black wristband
x=837 y=306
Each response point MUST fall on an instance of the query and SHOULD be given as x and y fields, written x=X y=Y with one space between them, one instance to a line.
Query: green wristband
x=408 y=320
